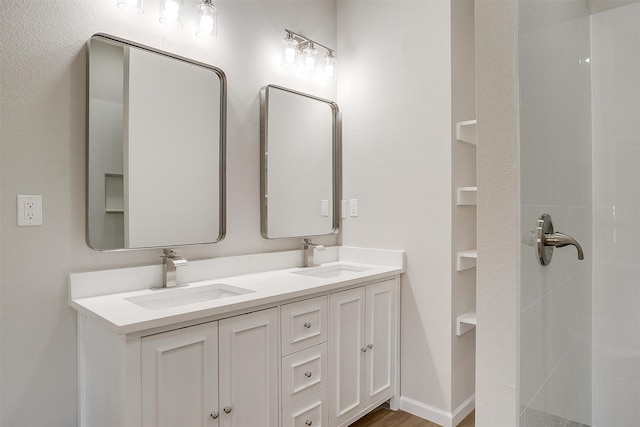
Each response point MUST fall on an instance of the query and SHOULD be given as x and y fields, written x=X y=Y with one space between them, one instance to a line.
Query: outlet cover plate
x=29 y=210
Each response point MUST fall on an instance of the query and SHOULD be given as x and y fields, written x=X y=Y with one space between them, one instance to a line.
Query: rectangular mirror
x=300 y=164
x=156 y=148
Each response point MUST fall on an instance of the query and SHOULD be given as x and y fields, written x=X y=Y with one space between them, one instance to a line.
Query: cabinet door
x=380 y=339
x=179 y=377
x=248 y=370
x=346 y=354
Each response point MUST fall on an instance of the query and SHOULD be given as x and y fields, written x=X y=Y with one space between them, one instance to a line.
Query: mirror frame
x=222 y=141
x=336 y=161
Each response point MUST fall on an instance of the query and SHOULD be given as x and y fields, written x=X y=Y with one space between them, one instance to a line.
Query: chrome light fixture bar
x=300 y=51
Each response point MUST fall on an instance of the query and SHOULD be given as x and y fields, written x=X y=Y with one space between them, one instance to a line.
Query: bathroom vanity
x=251 y=341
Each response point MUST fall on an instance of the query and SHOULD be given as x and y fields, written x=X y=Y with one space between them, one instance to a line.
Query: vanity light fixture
x=300 y=51
x=171 y=13
x=131 y=6
x=206 y=27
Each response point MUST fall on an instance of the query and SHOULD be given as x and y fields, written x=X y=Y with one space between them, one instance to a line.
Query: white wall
x=42 y=124
x=394 y=91
x=555 y=167
x=616 y=157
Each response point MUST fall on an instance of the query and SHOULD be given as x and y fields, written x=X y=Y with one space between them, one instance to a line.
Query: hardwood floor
x=383 y=417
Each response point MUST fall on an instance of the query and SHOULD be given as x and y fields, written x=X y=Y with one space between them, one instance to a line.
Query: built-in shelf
x=113 y=192
x=467 y=196
x=466 y=260
x=465 y=323
x=466 y=131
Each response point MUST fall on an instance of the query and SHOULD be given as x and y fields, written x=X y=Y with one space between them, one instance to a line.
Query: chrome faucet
x=308 y=252
x=560 y=240
x=170 y=263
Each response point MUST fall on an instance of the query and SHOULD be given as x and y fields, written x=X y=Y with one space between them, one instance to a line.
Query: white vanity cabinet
x=363 y=348
x=303 y=348
x=217 y=374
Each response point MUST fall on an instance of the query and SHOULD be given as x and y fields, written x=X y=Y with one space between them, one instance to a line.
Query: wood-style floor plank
x=383 y=417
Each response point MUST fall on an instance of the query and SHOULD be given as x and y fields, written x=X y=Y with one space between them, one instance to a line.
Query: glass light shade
x=131 y=6
x=207 y=27
x=309 y=58
x=330 y=63
x=171 y=13
x=289 y=53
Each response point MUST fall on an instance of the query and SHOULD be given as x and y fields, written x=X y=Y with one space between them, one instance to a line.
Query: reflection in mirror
x=156 y=145
x=300 y=164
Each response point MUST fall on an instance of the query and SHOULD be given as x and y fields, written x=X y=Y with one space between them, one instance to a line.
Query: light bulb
x=309 y=58
x=172 y=13
x=131 y=6
x=289 y=52
x=206 y=27
x=330 y=66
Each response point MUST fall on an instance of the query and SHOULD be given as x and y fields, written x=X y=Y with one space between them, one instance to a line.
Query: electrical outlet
x=29 y=210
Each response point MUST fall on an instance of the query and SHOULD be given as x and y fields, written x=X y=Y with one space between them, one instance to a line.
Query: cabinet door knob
x=369 y=346
x=363 y=349
x=227 y=409
x=307 y=325
x=307 y=374
x=308 y=422
x=214 y=415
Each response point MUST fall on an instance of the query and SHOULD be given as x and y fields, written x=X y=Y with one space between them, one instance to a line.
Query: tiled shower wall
x=555 y=165
x=616 y=173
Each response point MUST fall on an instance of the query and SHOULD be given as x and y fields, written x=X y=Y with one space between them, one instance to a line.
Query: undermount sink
x=330 y=271
x=169 y=298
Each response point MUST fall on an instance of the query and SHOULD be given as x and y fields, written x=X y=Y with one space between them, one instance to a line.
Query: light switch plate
x=353 y=207
x=325 y=208
x=29 y=210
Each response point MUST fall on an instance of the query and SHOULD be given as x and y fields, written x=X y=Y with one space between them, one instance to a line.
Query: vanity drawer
x=310 y=412
x=304 y=373
x=304 y=324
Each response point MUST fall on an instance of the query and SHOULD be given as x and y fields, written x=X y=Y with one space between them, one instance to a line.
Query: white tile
x=616 y=348
x=617 y=233
x=617 y=292
x=535 y=165
x=616 y=402
x=534 y=350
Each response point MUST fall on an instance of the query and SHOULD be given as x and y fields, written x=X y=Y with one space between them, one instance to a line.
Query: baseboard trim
x=436 y=415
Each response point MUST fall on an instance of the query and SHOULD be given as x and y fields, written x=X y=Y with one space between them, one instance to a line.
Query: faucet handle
x=169 y=253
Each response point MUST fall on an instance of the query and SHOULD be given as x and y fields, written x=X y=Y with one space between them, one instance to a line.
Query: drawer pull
x=308 y=422
x=363 y=349
x=227 y=409
x=369 y=346
x=214 y=415
x=307 y=325
x=307 y=374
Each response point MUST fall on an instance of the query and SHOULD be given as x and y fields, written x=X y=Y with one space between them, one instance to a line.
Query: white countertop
x=89 y=291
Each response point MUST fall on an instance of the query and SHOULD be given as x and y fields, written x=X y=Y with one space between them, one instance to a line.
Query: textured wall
x=498 y=211
x=42 y=122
